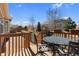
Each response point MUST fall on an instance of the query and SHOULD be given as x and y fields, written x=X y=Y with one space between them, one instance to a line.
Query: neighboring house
x=4 y=18
x=77 y=27
x=57 y=24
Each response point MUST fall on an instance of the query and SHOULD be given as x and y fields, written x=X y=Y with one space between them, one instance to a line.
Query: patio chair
x=60 y=51
x=48 y=33
x=40 y=47
x=73 y=48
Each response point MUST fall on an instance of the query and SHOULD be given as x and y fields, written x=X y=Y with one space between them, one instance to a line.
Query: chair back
x=34 y=39
x=73 y=47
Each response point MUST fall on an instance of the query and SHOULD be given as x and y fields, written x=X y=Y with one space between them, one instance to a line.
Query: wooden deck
x=23 y=52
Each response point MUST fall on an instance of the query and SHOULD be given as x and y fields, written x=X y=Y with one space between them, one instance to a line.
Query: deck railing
x=72 y=34
x=14 y=43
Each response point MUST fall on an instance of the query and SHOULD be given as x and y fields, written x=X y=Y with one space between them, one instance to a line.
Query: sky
x=22 y=13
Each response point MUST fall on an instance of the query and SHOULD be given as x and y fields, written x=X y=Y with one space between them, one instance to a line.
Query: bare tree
x=32 y=21
x=53 y=14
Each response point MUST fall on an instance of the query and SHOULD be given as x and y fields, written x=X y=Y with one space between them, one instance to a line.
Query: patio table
x=56 y=41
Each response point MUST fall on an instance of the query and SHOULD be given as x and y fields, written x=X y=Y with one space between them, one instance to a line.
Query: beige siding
x=4 y=17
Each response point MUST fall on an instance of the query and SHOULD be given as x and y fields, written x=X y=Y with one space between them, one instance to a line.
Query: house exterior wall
x=1 y=25
x=1 y=28
x=56 y=24
x=77 y=27
x=4 y=18
x=6 y=26
x=59 y=24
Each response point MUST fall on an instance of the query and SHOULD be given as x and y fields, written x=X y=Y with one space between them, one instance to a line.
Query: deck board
x=22 y=52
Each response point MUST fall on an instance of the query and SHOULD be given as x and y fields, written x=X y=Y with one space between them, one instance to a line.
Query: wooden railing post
x=65 y=35
x=26 y=40
x=3 y=45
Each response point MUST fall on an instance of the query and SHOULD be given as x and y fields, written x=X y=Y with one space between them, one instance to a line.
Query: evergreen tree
x=39 y=27
x=70 y=24
x=26 y=28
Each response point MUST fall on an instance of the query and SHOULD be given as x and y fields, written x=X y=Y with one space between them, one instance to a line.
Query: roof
x=65 y=18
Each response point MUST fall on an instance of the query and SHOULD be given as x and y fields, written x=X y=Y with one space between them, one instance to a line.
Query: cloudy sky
x=22 y=12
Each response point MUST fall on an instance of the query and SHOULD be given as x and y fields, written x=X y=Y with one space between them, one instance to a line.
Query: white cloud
x=57 y=5
x=11 y=15
x=19 y=5
x=72 y=3
x=25 y=23
x=68 y=5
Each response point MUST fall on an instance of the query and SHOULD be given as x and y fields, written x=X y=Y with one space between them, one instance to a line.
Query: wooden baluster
x=22 y=45
x=65 y=35
x=15 y=45
x=62 y=34
x=59 y=34
x=28 y=40
x=68 y=36
x=74 y=37
x=29 y=37
x=25 y=43
x=4 y=46
x=9 y=48
x=71 y=36
x=78 y=37
x=12 y=45
x=28 y=43
x=56 y=34
x=19 y=45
